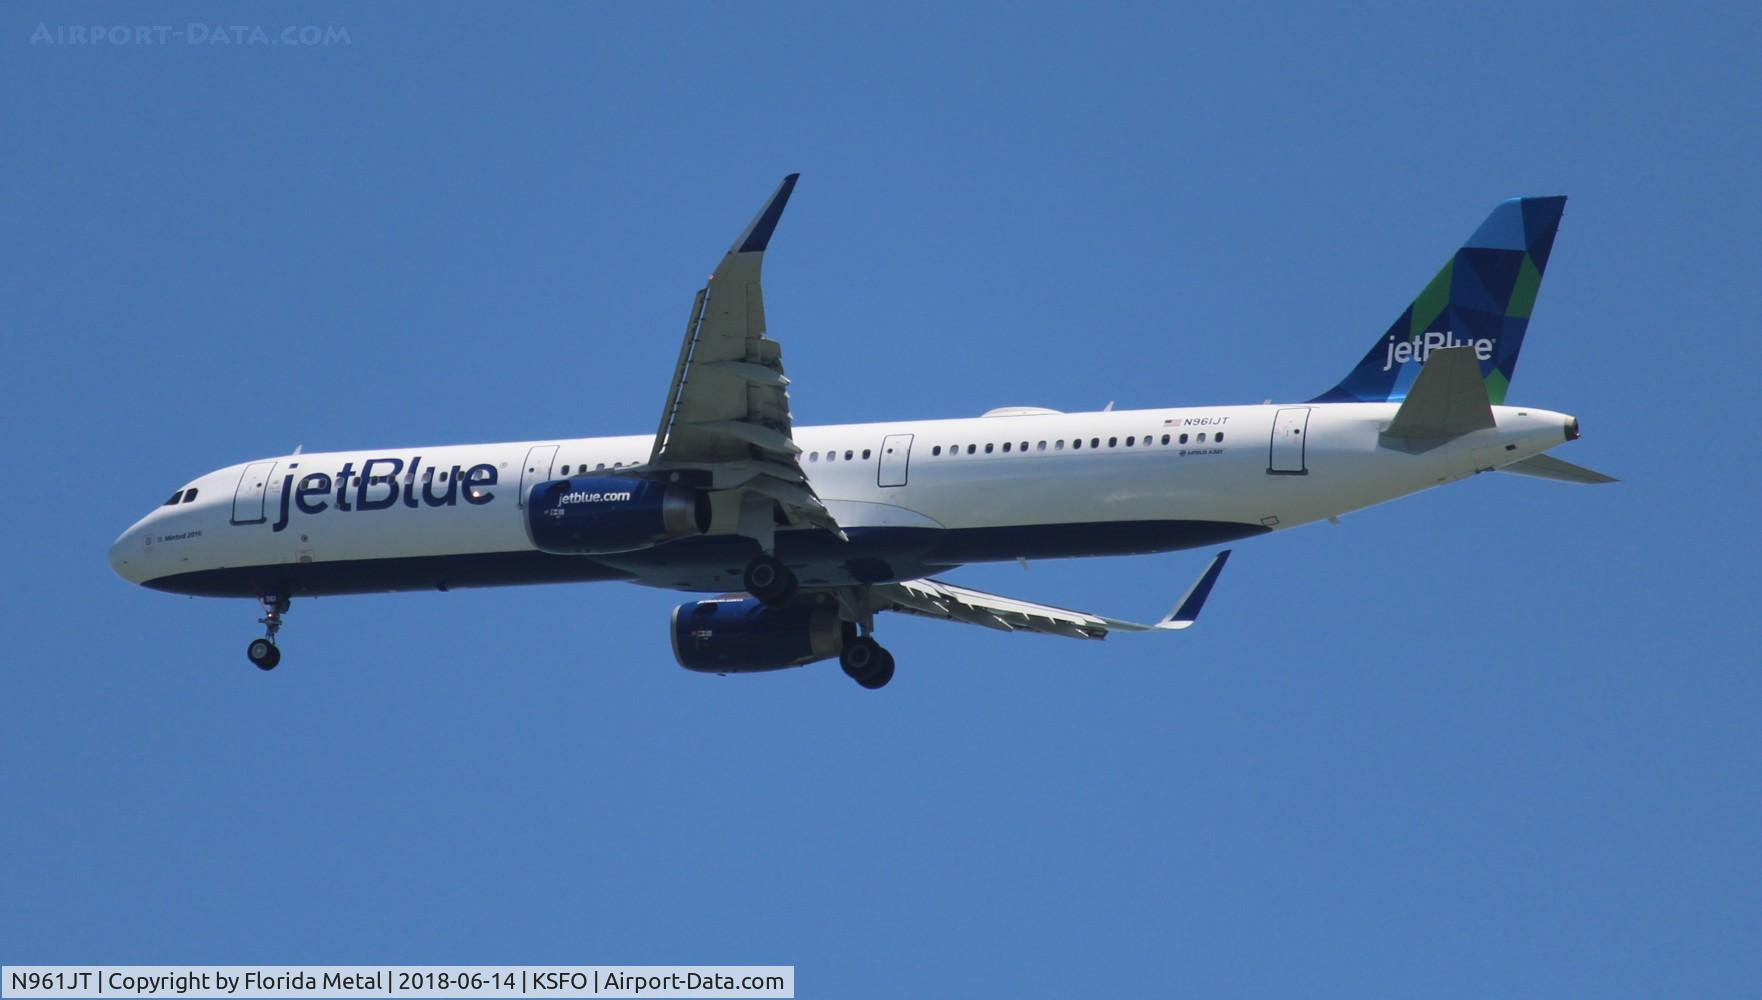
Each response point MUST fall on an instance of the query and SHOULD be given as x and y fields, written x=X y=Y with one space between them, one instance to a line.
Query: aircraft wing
x=936 y=599
x=726 y=419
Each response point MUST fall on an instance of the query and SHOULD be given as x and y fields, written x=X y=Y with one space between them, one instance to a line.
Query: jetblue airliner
x=808 y=532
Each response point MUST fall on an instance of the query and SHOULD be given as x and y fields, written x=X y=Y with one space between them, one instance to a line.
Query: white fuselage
x=914 y=496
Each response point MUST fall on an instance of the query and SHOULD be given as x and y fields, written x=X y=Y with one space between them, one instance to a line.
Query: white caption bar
x=315 y=981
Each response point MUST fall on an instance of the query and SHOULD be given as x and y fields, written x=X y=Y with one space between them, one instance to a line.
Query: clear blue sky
x=1495 y=740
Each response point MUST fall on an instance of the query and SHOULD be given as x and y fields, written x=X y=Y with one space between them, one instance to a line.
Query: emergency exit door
x=896 y=454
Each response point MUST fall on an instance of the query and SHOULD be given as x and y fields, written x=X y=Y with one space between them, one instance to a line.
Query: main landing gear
x=773 y=583
x=263 y=653
x=864 y=660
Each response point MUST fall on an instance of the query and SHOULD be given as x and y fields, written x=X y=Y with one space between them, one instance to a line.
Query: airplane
x=807 y=533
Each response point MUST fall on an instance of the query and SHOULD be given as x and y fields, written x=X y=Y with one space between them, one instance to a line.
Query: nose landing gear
x=263 y=653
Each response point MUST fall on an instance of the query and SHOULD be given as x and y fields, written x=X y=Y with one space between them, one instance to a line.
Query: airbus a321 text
x=810 y=532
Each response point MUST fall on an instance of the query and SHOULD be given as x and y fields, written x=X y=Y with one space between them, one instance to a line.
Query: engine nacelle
x=593 y=515
x=736 y=635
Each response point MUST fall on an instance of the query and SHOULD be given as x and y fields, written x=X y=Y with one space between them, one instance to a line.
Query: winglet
x=758 y=235
x=1187 y=612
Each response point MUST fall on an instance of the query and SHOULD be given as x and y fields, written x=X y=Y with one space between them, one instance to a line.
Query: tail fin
x=1481 y=299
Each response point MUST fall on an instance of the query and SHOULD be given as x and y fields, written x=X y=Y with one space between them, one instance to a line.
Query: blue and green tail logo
x=1481 y=299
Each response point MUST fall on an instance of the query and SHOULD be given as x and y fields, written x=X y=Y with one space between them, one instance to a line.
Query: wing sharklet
x=1187 y=611
x=758 y=234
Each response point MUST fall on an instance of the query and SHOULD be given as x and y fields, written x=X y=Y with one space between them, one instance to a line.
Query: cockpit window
x=175 y=498
x=189 y=494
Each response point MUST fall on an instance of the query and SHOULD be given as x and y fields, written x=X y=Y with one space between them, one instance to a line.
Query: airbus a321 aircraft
x=820 y=528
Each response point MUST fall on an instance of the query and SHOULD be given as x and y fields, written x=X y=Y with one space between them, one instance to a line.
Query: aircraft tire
x=263 y=654
x=882 y=674
x=866 y=662
x=773 y=583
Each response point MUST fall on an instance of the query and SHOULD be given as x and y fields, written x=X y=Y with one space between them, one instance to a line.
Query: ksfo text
x=636 y=983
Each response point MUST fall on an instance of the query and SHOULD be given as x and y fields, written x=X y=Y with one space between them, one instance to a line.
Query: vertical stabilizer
x=1481 y=300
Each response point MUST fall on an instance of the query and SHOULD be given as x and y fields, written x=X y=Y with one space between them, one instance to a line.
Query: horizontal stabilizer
x=1548 y=467
x=1447 y=400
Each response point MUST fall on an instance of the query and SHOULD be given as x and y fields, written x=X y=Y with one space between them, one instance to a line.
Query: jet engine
x=593 y=515
x=736 y=635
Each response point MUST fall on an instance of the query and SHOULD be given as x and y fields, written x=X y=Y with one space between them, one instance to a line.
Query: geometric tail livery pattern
x=1481 y=299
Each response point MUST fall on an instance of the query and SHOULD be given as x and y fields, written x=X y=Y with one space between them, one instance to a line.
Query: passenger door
x=537 y=469
x=247 y=499
x=1288 y=452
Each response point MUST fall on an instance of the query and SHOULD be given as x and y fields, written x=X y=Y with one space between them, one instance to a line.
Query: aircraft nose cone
x=121 y=550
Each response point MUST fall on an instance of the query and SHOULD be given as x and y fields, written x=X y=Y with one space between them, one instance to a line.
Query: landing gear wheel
x=773 y=583
x=263 y=653
x=865 y=662
x=882 y=675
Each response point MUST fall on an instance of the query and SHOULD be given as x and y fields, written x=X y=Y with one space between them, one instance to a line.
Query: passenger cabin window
x=972 y=448
x=988 y=448
x=936 y=450
x=1183 y=439
x=847 y=454
x=865 y=454
x=1220 y=437
x=1165 y=439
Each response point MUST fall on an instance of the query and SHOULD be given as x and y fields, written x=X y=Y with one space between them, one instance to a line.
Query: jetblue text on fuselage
x=1417 y=349
x=377 y=486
